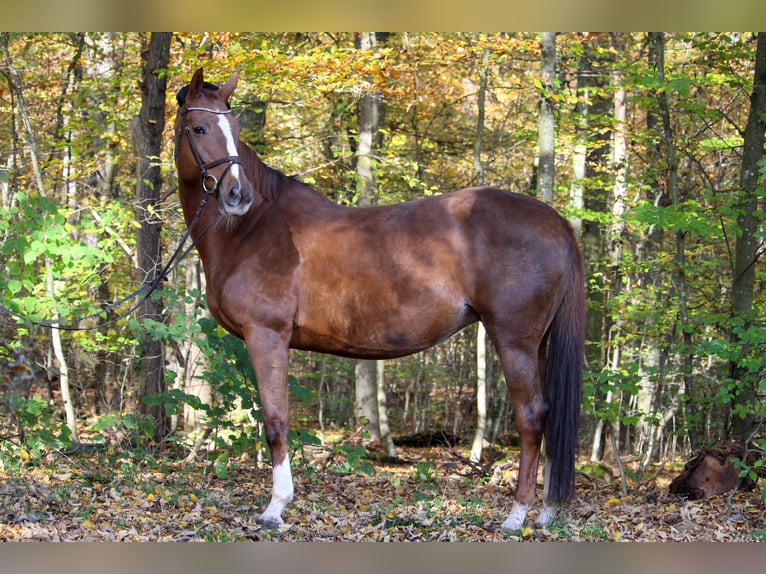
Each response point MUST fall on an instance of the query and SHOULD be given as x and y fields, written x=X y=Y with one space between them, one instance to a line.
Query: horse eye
x=199 y=130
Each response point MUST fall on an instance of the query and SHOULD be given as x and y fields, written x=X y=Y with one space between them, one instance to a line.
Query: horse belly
x=380 y=331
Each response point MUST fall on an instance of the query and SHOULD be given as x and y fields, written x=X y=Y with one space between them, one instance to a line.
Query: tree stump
x=710 y=472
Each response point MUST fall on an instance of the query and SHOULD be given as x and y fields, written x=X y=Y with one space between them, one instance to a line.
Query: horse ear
x=228 y=88
x=196 y=84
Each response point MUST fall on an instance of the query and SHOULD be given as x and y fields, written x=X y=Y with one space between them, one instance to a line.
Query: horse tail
x=563 y=384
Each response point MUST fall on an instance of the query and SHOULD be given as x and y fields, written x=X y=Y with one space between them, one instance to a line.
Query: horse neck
x=278 y=191
x=273 y=184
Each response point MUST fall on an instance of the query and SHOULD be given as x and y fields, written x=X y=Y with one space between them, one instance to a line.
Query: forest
x=650 y=144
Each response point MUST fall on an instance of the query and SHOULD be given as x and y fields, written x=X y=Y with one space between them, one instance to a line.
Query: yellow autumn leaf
x=88 y=525
x=150 y=497
x=526 y=532
x=613 y=502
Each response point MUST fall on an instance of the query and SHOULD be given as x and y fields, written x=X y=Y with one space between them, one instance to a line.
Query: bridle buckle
x=210 y=183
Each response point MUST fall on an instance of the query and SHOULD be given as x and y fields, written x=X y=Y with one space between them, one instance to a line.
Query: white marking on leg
x=517 y=516
x=549 y=510
x=281 y=494
x=547 y=478
x=546 y=514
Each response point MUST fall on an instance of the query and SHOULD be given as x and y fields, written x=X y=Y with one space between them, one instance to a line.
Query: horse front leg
x=268 y=353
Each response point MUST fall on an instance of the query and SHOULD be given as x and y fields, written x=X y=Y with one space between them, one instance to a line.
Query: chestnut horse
x=288 y=268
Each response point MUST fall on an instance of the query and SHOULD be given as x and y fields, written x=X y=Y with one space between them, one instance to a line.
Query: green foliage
x=424 y=472
x=354 y=462
x=38 y=427
x=135 y=430
x=235 y=416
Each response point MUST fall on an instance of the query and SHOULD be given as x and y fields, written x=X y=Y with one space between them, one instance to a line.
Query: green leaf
x=33 y=407
x=221 y=466
x=14 y=286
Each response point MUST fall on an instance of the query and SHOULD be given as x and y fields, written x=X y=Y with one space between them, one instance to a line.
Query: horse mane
x=267 y=180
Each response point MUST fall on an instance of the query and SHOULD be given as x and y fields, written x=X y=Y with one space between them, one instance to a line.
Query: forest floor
x=430 y=494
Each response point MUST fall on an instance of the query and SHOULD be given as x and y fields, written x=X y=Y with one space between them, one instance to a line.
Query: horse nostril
x=234 y=197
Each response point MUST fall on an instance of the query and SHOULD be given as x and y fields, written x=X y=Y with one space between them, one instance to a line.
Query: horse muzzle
x=235 y=198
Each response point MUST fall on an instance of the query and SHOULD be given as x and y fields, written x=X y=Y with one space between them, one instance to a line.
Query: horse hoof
x=517 y=517
x=512 y=523
x=546 y=516
x=270 y=522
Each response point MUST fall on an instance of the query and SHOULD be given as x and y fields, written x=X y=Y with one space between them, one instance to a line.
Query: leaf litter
x=428 y=495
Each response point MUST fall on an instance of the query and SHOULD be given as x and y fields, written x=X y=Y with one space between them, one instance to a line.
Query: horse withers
x=288 y=268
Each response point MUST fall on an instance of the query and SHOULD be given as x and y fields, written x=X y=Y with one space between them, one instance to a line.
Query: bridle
x=210 y=184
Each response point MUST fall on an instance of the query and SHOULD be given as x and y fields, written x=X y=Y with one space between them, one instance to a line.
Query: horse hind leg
x=523 y=377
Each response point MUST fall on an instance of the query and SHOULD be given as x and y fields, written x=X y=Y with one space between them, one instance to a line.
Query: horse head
x=207 y=145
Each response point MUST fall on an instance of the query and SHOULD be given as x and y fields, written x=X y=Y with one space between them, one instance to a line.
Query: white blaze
x=231 y=145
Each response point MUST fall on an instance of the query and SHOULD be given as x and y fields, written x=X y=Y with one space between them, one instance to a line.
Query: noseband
x=209 y=182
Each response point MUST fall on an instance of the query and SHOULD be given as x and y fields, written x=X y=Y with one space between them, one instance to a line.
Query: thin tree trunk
x=194 y=360
x=671 y=157
x=147 y=134
x=320 y=397
x=366 y=390
x=370 y=104
x=746 y=252
x=385 y=429
x=58 y=353
x=481 y=394
x=481 y=333
x=545 y=140
x=614 y=246
x=589 y=162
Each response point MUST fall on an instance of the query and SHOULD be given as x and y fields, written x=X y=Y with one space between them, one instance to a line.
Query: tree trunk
x=194 y=360
x=366 y=388
x=481 y=334
x=545 y=140
x=58 y=353
x=615 y=239
x=746 y=252
x=370 y=109
x=671 y=160
x=385 y=429
x=147 y=137
x=592 y=141
x=481 y=394
x=649 y=400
